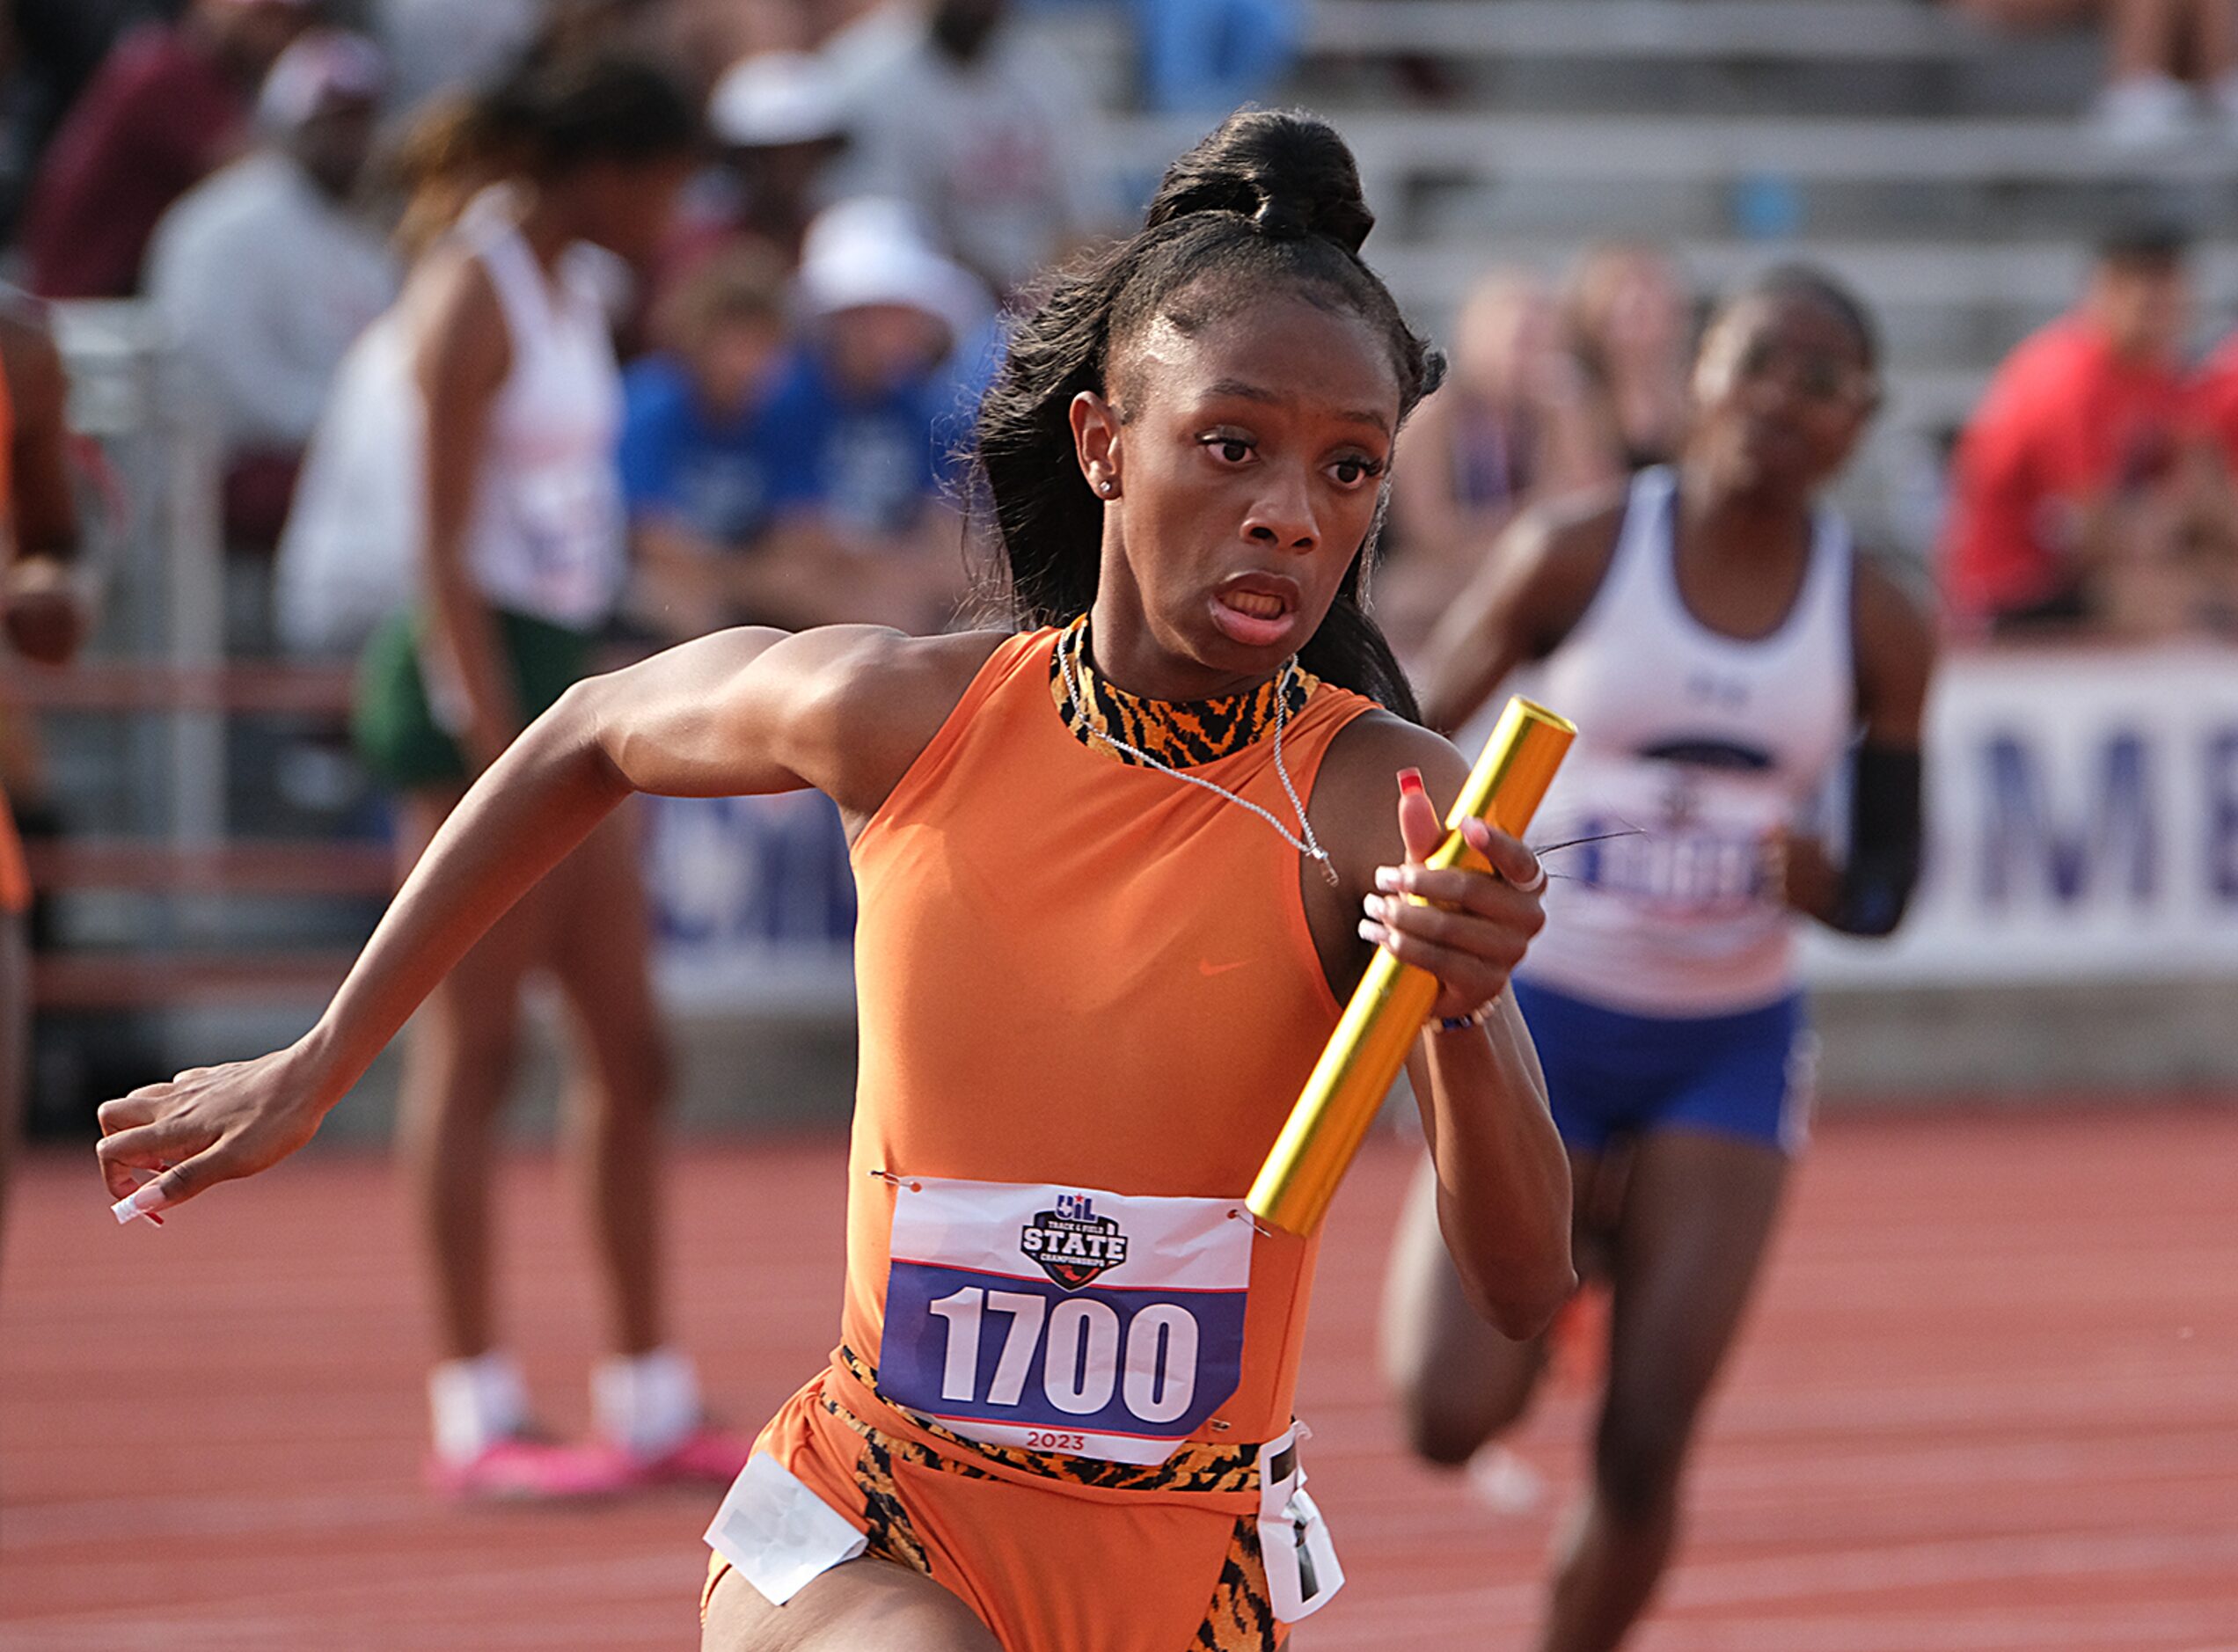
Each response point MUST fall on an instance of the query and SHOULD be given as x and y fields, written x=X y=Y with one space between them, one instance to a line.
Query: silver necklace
x=1308 y=846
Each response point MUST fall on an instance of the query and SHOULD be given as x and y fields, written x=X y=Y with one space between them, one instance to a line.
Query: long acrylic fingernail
x=144 y=1200
x=1370 y=930
x=1387 y=880
x=1372 y=904
x=1411 y=781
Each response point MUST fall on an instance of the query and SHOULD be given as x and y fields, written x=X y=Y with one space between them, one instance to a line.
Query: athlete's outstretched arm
x=743 y=711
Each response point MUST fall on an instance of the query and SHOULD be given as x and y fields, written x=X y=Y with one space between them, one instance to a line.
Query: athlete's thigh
x=1698 y=1211
x=599 y=943
x=862 y=1605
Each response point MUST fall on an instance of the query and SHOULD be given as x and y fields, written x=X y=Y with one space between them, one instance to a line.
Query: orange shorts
x=1122 y=1559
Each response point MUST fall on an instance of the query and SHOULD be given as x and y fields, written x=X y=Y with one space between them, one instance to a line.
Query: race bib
x=1065 y=1319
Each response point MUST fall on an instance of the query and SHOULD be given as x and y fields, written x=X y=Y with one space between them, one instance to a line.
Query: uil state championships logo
x=1072 y=1244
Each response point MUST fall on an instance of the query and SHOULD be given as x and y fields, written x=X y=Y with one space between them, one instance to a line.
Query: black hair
x=556 y=113
x=1814 y=285
x=1271 y=200
x=2154 y=247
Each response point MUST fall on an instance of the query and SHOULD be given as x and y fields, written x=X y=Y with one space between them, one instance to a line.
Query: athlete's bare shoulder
x=878 y=699
x=1559 y=553
x=1536 y=583
x=1355 y=799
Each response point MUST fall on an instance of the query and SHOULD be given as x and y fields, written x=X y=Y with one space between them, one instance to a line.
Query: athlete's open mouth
x=1258 y=611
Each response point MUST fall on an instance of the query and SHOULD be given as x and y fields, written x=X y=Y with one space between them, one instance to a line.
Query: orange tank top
x=1089 y=996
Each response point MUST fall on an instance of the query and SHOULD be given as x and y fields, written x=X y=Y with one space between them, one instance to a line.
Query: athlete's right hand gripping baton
x=1379 y=1026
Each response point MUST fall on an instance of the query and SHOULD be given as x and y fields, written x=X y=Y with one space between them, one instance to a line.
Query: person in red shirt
x=167 y=107
x=2076 y=439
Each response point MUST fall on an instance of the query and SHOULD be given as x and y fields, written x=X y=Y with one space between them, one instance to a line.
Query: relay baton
x=1388 y=1007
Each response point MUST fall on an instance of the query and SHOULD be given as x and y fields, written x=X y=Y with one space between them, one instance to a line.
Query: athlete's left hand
x=1476 y=924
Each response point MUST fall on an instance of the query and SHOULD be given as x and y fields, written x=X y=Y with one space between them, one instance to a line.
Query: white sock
x=477 y=1403
x=646 y=1403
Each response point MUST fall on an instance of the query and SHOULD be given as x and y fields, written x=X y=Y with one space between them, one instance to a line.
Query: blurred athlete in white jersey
x=1721 y=649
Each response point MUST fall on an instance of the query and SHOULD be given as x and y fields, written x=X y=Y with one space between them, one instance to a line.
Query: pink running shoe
x=534 y=1471
x=707 y=1456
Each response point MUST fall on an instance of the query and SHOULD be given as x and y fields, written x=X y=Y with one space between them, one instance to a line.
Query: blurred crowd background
x=217 y=200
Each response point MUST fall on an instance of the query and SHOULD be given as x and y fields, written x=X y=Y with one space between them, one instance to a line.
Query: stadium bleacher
x=1940 y=169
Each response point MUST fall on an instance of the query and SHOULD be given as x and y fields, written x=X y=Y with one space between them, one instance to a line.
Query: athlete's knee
x=1444 y=1428
x=465 y=1067
x=1638 y=1456
x=635 y=1083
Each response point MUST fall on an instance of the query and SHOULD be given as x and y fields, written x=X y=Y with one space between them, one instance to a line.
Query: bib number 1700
x=1076 y=1353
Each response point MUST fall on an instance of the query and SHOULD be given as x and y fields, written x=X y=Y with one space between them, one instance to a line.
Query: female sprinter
x=1720 y=649
x=1113 y=870
x=506 y=333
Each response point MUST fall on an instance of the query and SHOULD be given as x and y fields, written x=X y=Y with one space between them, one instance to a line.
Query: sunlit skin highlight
x=1245 y=460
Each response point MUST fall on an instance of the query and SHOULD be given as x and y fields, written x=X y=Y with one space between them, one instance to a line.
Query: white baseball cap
x=777 y=97
x=874 y=250
x=320 y=68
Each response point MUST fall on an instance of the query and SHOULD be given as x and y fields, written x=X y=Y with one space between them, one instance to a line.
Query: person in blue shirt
x=695 y=460
x=807 y=482
x=862 y=422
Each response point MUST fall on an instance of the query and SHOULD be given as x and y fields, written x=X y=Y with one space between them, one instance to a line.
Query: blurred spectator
x=1510 y=421
x=955 y=113
x=1206 y=56
x=169 y=106
x=695 y=456
x=2069 y=467
x=43 y=617
x=865 y=413
x=2164 y=60
x=436 y=46
x=779 y=122
x=56 y=46
x=264 y=275
x=345 y=561
x=1628 y=320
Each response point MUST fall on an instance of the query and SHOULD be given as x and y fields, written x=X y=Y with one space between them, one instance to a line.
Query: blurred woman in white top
x=504 y=331
x=1723 y=650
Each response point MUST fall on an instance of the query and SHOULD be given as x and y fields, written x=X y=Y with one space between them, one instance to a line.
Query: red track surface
x=1990 y=1400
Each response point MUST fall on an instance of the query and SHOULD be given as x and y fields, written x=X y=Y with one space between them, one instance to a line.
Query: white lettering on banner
x=2083 y=812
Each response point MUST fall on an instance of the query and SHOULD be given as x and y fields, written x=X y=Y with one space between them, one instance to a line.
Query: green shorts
x=392 y=722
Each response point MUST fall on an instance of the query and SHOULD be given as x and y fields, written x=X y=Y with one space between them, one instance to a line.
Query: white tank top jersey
x=1697 y=745
x=547 y=535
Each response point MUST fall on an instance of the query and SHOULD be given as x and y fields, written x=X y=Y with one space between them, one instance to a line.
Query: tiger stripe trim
x=1180 y=734
x=1238 y=1618
x=1241 y=1615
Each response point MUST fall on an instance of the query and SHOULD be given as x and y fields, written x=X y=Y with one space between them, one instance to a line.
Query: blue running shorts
x=1612 y=1073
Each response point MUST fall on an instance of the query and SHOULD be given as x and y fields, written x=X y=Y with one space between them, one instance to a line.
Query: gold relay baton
x=1369 y=1045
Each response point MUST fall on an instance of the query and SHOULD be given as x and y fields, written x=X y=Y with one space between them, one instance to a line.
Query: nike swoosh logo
x=1205 y=968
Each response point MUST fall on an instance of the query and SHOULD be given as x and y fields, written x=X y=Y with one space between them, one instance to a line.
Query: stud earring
x=1105 y=486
